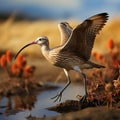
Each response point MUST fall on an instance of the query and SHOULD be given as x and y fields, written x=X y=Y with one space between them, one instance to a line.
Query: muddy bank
x=98 y=113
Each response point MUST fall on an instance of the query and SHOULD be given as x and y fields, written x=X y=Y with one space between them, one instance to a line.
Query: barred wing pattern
x=82 y=38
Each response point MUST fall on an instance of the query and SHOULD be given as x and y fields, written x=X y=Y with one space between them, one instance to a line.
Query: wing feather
x=82 y=38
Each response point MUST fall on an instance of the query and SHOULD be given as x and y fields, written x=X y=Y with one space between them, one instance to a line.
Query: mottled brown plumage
x=83 y=36
x=74 y=53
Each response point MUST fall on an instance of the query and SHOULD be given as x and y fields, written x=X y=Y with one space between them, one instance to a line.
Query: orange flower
x=116 y=63
x=94 y=54
x=15 y=69
x=99 y=56
x=110 y=44
x=29 y=70
x=19 y=58
x=21 y=61
x=114 y=55
x=3 y=61
x=9 y=56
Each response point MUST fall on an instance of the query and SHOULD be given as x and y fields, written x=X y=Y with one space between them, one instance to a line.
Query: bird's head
x=40 y=41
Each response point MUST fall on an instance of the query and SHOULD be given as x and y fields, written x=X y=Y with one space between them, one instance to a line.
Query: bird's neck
x=45 y=50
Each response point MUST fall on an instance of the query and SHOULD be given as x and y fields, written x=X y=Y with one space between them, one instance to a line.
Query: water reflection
x=12 y=105
x=19 y=106
x=19 y=103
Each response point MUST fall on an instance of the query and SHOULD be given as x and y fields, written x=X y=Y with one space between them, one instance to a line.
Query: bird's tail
x=96 y=65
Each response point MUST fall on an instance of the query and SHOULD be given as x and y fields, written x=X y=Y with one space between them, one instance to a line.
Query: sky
x=61 y=9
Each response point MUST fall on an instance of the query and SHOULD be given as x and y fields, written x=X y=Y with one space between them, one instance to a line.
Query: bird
x=74 y=52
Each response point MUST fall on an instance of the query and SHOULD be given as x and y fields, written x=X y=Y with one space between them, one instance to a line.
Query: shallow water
x=17 y=108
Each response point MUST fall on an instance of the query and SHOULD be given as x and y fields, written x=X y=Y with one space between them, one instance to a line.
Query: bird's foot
x=58 y=97
x=82 y=99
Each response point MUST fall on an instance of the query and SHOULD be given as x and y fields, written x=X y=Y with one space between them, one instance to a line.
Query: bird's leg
x=85 y=85
x=59 y=95
x=77 y=68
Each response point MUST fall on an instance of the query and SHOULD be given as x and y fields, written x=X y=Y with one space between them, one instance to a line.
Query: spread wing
x=65 y=33
x=82 y=38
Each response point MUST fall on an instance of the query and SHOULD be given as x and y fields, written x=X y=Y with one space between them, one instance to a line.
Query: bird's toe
x=58 y=97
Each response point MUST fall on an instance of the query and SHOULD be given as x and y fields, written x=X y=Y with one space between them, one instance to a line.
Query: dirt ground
x=98 y=113
x=47 y=72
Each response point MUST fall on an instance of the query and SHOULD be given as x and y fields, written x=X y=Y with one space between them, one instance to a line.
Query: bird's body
x=66 y=59
x=75 y=48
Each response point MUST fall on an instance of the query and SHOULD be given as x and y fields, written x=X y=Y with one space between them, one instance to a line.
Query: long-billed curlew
x=76 y=52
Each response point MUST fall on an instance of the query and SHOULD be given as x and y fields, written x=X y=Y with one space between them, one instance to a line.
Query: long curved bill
x=34 y=42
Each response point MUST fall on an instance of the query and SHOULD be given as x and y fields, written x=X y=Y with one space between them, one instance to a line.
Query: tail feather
x=99 y=66
x=96 y=65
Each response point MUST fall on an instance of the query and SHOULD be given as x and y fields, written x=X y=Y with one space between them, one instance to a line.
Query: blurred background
x=22 y=21
x=58 y=9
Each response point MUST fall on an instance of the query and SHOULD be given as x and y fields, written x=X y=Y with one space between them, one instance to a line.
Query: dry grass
x=13 y=35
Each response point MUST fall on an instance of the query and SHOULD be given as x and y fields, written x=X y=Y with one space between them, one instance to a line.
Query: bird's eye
x=40 y=39
x=64 y=24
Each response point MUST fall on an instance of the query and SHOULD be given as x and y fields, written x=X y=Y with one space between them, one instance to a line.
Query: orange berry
x=15 y=69
x=113 y=56
x=19 y=58
x=110 y=44
x=99 y=56
x=21 y=61
x=94 y=54
x=3 y=61
x=116 y=63
x=28 y=70
x=24 y=62
x=9 y=56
